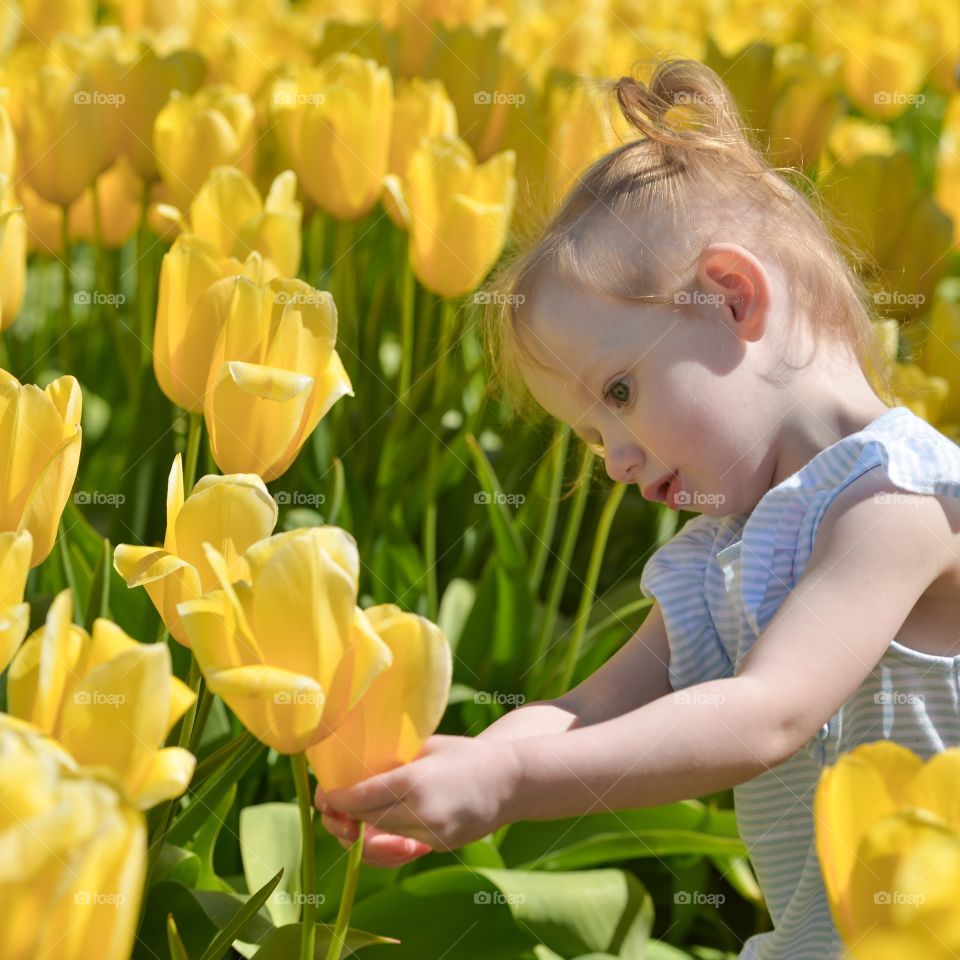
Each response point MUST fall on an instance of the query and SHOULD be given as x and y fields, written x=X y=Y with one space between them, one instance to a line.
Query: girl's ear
x=734 y=280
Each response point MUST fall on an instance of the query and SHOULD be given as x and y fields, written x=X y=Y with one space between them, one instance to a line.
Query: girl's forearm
x=536 y=719
x=675 y=748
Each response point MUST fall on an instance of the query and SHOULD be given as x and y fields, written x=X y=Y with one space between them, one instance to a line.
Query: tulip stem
x=346 y=898
x=406 y=359
x=63 y=344
x=309 y=910
x=590 y=584
x=194 y=433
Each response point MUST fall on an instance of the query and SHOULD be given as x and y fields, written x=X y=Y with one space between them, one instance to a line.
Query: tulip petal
x=279 y=707
x=168 y=777
x=14 y=623
x=401 y=708
x=210 y=624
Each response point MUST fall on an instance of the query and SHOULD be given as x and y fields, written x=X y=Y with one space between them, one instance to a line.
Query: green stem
x=430 y=535
x=558 y=458
x=194 y=433
x=316 y=269
x=354 y=856
x=560 y=570
x=143 y=276
x=63 y=347
x=590 y=584
x=200 y=718
x=309 y=882
x=409 y=291
x=448 y=314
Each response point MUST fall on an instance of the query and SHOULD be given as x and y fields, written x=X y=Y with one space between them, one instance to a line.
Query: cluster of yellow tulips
x=236 y=138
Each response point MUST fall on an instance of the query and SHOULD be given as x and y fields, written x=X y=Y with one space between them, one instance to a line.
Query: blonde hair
x=694 y=176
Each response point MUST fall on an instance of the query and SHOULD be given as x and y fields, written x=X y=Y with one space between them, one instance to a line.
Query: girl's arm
x=635 y=675
x=871 y=562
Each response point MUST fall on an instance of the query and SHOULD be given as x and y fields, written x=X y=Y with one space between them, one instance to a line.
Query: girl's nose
x=623 y=464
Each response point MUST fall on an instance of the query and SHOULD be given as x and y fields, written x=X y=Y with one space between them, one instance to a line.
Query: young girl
x=689 y=315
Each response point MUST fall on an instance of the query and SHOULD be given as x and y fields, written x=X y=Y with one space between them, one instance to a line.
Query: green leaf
x=487 y=914
x=98 y=604
x=206 y=798
x=283 y=943
x=177 y=950
x=226 y=936
x=205 y=840
x=178 y=865
x=270 y=839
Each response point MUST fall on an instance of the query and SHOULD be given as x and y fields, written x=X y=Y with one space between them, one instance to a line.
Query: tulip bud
x=40 y=444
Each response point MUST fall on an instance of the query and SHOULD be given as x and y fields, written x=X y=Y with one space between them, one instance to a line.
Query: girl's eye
x=620 y=391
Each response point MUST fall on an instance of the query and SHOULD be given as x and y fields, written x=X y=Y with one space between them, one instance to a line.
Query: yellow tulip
x=947 y=192
x=334 y=125
x=73 y=886
x=287 y=650
x=40 y=448
x=8 y=139
x=42 y=20
x=807 y=104
x=109 y=700
x=191 y=308
x=941 y=347
x=195 y=133
x=458 y=213
x=583 y=126
x=13 y=254
x=421 y=109
x=230 y=214
x=233 y=511
x=274 y=374
x=888 y=841
x=15 y=550
x=147 y=83
x=63 y=137
x=400 y=710
x=156 y=15
x=119 y=199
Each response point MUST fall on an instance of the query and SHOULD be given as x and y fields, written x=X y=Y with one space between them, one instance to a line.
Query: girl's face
x=657 y=390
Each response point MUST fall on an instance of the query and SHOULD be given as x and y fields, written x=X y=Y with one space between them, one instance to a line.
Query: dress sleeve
x=675 y=576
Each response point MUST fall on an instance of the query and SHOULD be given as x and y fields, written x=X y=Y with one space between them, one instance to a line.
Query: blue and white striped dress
x=720 y=580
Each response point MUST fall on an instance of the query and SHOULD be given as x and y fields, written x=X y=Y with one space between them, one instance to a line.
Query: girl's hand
x=380 y=849
x=456 y=791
